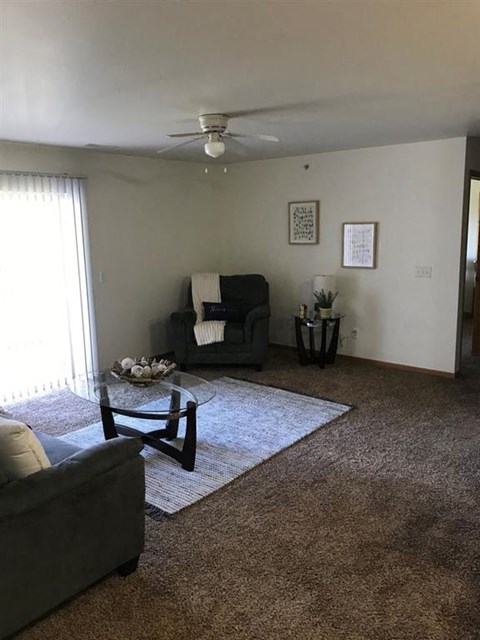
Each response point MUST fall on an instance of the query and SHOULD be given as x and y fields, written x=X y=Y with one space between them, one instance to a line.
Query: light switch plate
x=423 y=272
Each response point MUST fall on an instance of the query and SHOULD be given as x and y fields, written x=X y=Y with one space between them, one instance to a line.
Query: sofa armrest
x=187 y=316
x=65 y=527
x=182 y=323
x=34 y=490
x=259 y=312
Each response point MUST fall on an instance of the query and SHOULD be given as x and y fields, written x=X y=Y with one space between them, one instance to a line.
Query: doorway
x=471 y=300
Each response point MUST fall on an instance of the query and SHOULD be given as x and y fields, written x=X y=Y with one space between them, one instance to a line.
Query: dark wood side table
x=327 y=353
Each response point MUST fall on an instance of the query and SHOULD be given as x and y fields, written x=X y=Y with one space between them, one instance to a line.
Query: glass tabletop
x=104 y=389
x=316 y=322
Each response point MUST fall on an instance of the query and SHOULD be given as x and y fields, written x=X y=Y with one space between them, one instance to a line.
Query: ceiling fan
x=214 y=130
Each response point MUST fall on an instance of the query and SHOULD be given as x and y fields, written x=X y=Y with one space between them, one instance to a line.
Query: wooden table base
x=155 y=439
x=324 y=356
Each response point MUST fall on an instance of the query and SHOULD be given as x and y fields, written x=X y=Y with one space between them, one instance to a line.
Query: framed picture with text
x=303 y=220
x=359 y=248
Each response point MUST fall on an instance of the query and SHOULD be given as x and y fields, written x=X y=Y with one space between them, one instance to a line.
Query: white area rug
x=245 y=424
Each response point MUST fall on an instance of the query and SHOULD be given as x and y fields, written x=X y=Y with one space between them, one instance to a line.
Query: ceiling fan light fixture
x=215 y=147
x=214 y=127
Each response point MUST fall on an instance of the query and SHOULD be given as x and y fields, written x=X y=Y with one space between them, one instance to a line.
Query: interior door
x=476 y=298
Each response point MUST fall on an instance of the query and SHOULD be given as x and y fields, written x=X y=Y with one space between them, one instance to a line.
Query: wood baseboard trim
x=401 y=367
x=282 y=346
x=389 y=365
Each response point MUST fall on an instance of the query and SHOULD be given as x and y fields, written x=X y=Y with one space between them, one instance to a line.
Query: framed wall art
x=303 y=220
x=359 y=245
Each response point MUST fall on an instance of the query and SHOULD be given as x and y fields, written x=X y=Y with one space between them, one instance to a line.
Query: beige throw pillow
x=21 y=453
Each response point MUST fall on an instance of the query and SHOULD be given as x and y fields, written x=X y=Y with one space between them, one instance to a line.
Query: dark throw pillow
x=228 y=311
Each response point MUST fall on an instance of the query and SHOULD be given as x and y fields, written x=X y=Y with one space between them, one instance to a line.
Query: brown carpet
x=368 y=529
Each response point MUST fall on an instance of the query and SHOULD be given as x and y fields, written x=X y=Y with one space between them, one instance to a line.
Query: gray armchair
x=65 y=527
x=245 y=341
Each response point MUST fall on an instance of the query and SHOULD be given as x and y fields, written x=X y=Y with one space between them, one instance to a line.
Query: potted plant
x=324 y=301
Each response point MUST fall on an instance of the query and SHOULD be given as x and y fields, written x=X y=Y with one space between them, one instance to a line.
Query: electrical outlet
x=354 y=334
x=423 y=272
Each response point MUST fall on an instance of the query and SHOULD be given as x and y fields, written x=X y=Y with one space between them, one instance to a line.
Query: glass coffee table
x=170 y=400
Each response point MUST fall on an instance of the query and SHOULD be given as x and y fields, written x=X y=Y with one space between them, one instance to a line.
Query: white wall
x=472 y=243
x=154 y=222
x=150 y=224
x=414 y=191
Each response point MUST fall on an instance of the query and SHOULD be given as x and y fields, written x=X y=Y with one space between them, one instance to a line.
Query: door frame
x=470 y=174
x=476 y=290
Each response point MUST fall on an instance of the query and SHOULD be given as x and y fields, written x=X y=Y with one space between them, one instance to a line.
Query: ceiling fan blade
x=239 y=147
x=101 y=147
x=180 y=144
x=259 y=136
x=259 y=111
x=185 y=135
x=262 y=136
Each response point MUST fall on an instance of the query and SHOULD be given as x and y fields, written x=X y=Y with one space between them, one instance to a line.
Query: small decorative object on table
x=324 y=291
x=142 y=371
x=302 y=311
x=324 y=302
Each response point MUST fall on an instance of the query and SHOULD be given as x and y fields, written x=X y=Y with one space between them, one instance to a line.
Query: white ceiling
x=319 y=75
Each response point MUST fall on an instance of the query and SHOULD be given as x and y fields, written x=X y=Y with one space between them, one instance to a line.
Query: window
x=46 y=327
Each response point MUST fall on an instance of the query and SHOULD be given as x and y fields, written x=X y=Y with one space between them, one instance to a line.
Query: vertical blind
x=46 y=328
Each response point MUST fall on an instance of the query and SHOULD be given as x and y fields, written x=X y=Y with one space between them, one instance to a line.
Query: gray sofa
x=65 y=527
x=245 y=342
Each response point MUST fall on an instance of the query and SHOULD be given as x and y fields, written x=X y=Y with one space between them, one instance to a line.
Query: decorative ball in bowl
x=142 y=371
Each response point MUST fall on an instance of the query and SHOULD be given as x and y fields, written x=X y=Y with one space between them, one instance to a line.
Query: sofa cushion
x=249 y=290
x=234 y=333
x=21 y=453
x=56 y=449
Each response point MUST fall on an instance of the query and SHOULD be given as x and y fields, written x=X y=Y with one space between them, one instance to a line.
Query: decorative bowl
x=143 y=371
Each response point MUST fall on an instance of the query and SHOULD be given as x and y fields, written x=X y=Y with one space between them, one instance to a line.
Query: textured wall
x=154 y=222
x=414 y=191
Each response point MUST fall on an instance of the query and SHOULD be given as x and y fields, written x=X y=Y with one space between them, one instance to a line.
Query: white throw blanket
x=206 y=288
